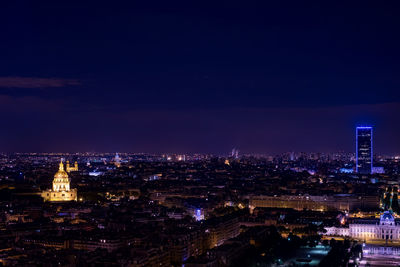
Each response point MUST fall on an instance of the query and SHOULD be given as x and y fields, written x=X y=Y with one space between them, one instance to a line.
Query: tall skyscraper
x=364 y=150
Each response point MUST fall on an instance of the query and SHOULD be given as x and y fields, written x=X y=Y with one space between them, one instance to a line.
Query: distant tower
x=117 y=160
x=235 y=153
x=68 y=168
x=364 y=154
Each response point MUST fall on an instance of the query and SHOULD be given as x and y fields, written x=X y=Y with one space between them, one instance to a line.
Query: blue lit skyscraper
x=364 y=153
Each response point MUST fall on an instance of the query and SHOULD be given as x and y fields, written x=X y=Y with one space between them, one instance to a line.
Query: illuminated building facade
x=199 y=215
x=68 y=168
x=222 y=229
x=386 y=228
x=341 y=202
x=61 y=190
x=364 y=154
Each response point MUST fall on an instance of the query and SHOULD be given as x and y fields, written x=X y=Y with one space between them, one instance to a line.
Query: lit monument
x=61 y=190
x=71 y=169
x=117 y=160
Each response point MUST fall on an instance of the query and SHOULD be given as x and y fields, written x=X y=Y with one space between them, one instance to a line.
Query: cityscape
x=132 y=209
x=196 y=134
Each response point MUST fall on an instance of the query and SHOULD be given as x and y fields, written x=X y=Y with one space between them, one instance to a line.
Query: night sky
x=197 y=76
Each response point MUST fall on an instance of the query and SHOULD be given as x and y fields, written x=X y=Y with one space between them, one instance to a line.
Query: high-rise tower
x=364 y=154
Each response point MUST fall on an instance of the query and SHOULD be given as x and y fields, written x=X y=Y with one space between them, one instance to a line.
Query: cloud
x=27 y=104
x=32 y=82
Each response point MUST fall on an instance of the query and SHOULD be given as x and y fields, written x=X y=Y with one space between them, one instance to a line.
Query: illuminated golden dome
x=61 y=190
x=61 y=174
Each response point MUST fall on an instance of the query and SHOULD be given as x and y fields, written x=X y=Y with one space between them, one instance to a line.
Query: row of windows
x=374 y=235
x=55 y=195
x=371 y=230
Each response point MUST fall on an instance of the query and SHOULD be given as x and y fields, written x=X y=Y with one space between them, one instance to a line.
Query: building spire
x=61 y=168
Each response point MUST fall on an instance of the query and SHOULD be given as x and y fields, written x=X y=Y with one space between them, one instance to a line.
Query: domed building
x=61 y=190
x=386 y=228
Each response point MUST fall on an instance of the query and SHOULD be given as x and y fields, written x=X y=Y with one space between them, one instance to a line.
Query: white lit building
x=382 y=229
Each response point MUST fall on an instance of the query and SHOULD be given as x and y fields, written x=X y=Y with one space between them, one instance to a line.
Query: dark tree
x=387 y=198
x=395 y=200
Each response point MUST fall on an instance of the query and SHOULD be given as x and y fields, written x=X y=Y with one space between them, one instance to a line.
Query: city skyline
x=199 y=133
x=235 y=151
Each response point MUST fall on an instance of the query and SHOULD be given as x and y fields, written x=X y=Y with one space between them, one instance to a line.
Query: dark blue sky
x=198 y=76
